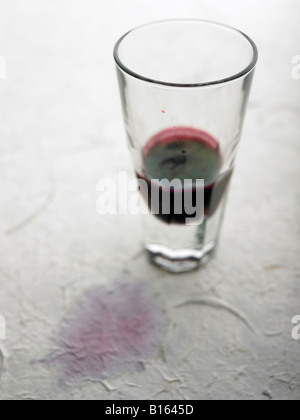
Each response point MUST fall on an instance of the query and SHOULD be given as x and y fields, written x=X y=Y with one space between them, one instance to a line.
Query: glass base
x=180 y=261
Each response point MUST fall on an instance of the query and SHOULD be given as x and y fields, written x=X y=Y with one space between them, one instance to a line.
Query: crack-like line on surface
x=220 y=304
x=105 y=384
x=164 y=376
x=33 y=216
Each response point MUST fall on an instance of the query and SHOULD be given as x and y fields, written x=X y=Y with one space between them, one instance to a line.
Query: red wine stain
x=108 y=332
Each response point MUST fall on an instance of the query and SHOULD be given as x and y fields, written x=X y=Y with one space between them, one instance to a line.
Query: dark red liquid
x=183 y=153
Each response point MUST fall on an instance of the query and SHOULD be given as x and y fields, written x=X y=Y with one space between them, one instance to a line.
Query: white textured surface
x=61 y=131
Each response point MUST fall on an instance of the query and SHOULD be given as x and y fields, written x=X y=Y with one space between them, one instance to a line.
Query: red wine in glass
x=183 y=153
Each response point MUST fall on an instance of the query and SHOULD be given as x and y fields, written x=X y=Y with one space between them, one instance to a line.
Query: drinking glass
x=184 y=87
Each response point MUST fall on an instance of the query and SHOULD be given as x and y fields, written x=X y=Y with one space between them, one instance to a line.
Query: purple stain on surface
x=108 y=332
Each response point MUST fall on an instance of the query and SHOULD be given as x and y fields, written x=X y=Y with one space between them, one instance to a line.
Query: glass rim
x=236 y=76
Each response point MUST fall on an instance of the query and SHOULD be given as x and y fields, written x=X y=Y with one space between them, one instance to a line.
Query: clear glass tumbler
x=184 y=87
